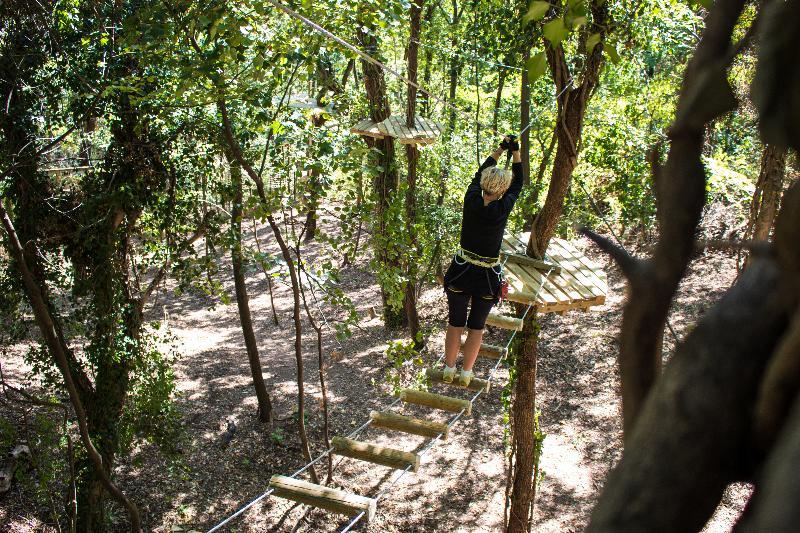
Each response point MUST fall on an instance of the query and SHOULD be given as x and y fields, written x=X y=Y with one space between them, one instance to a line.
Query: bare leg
x=471 y=347
x=452 y=343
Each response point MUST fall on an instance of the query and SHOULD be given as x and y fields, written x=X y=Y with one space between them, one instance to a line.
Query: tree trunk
x=770 y=182
x=523 y=421
x=385 y=183
x=412 y=154
x=498 y=99
x=236 y=151
x=242 y=300
x=571 y=110
x=525 y=115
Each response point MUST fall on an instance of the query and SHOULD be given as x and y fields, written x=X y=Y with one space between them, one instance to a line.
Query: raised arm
x=510 y=197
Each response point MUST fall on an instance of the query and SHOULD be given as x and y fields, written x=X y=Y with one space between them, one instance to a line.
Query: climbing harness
x=477 y=260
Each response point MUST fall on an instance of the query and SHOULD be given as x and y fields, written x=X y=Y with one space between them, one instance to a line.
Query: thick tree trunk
x=691 y=439
x=385 y=183
x=571 y=107
x=412 y=155
x=243 y=301
x=767 y=195
x=524 y=442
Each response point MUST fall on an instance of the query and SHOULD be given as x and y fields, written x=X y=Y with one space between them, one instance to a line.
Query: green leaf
x=591 y=42
x=555 y=31
x=703 y=3
x=611 y=52
x=537 y=66
x=577 y=22
x=536 y=11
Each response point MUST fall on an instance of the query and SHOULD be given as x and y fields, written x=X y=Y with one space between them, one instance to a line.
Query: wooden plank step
x=374 y=453
x=490 y=351
x=436 y=401
x=475 y=385
x=335 y=500
x=532 y=261
x=406 y=424
x=504 y=321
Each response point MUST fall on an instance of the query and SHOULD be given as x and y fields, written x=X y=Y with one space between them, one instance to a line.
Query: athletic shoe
x=465 y=378
x=449 y=372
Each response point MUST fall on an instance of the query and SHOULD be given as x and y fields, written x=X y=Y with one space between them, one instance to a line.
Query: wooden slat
x=423 y=131
x=374 y=453
x=335 y=500
x=580 y=270
x=538 y=264
x=534 y=280
x=407 y=424
x=436 y=401
x=584 y=286
x=489 y=351
x=581 y=258
x=503 y=321
x=368 y=128
x=475 y=384
x=576 y=284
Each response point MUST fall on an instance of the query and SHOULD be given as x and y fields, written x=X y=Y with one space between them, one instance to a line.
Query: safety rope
x=457 y=417
x=450 y=424
x=365 y=56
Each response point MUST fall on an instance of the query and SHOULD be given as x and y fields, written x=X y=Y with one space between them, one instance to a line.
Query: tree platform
x=425 y=131
x=573 y=280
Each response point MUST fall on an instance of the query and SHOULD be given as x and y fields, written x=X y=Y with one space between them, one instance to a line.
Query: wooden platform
x=425 y=131
x=577 y=283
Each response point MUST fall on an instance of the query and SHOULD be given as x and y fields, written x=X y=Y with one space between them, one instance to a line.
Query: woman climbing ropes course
x=474 y=277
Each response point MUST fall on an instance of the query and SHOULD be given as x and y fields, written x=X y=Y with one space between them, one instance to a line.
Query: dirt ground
x=230 y=456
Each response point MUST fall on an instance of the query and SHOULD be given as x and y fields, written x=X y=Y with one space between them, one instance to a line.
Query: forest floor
x=228 y=456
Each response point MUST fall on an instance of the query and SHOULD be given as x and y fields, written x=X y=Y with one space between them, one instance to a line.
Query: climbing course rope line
x=316 y=27
x=366 y=424
x=450 y=424
x=468 y=56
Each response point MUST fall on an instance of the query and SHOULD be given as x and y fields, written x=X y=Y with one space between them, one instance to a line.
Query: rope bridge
x=565 y=280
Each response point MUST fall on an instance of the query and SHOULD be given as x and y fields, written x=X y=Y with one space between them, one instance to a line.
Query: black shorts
x=470 y=285
x=457 y=309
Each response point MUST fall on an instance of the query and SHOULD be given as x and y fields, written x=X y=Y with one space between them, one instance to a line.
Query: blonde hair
x=495 y=180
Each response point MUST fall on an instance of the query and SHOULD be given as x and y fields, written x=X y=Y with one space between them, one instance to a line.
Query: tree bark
x=236 y=150
x=524 y=443
x=243 y=301
x=386 y=182
x=691 y=438
x=412 y=155
x=767 y=195
x=680 y=192
x=571 y=110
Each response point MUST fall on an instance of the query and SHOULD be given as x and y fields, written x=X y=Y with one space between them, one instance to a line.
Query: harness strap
x=478 y=260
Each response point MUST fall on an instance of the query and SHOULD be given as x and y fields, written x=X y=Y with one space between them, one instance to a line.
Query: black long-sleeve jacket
x=482 y=227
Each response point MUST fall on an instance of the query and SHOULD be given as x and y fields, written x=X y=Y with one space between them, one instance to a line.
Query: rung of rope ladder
x=436 y=401
x=504 y=321
x=490 y=351
x=335 y=500
x=475 y=384
x=373 y=453
x=406 y=424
